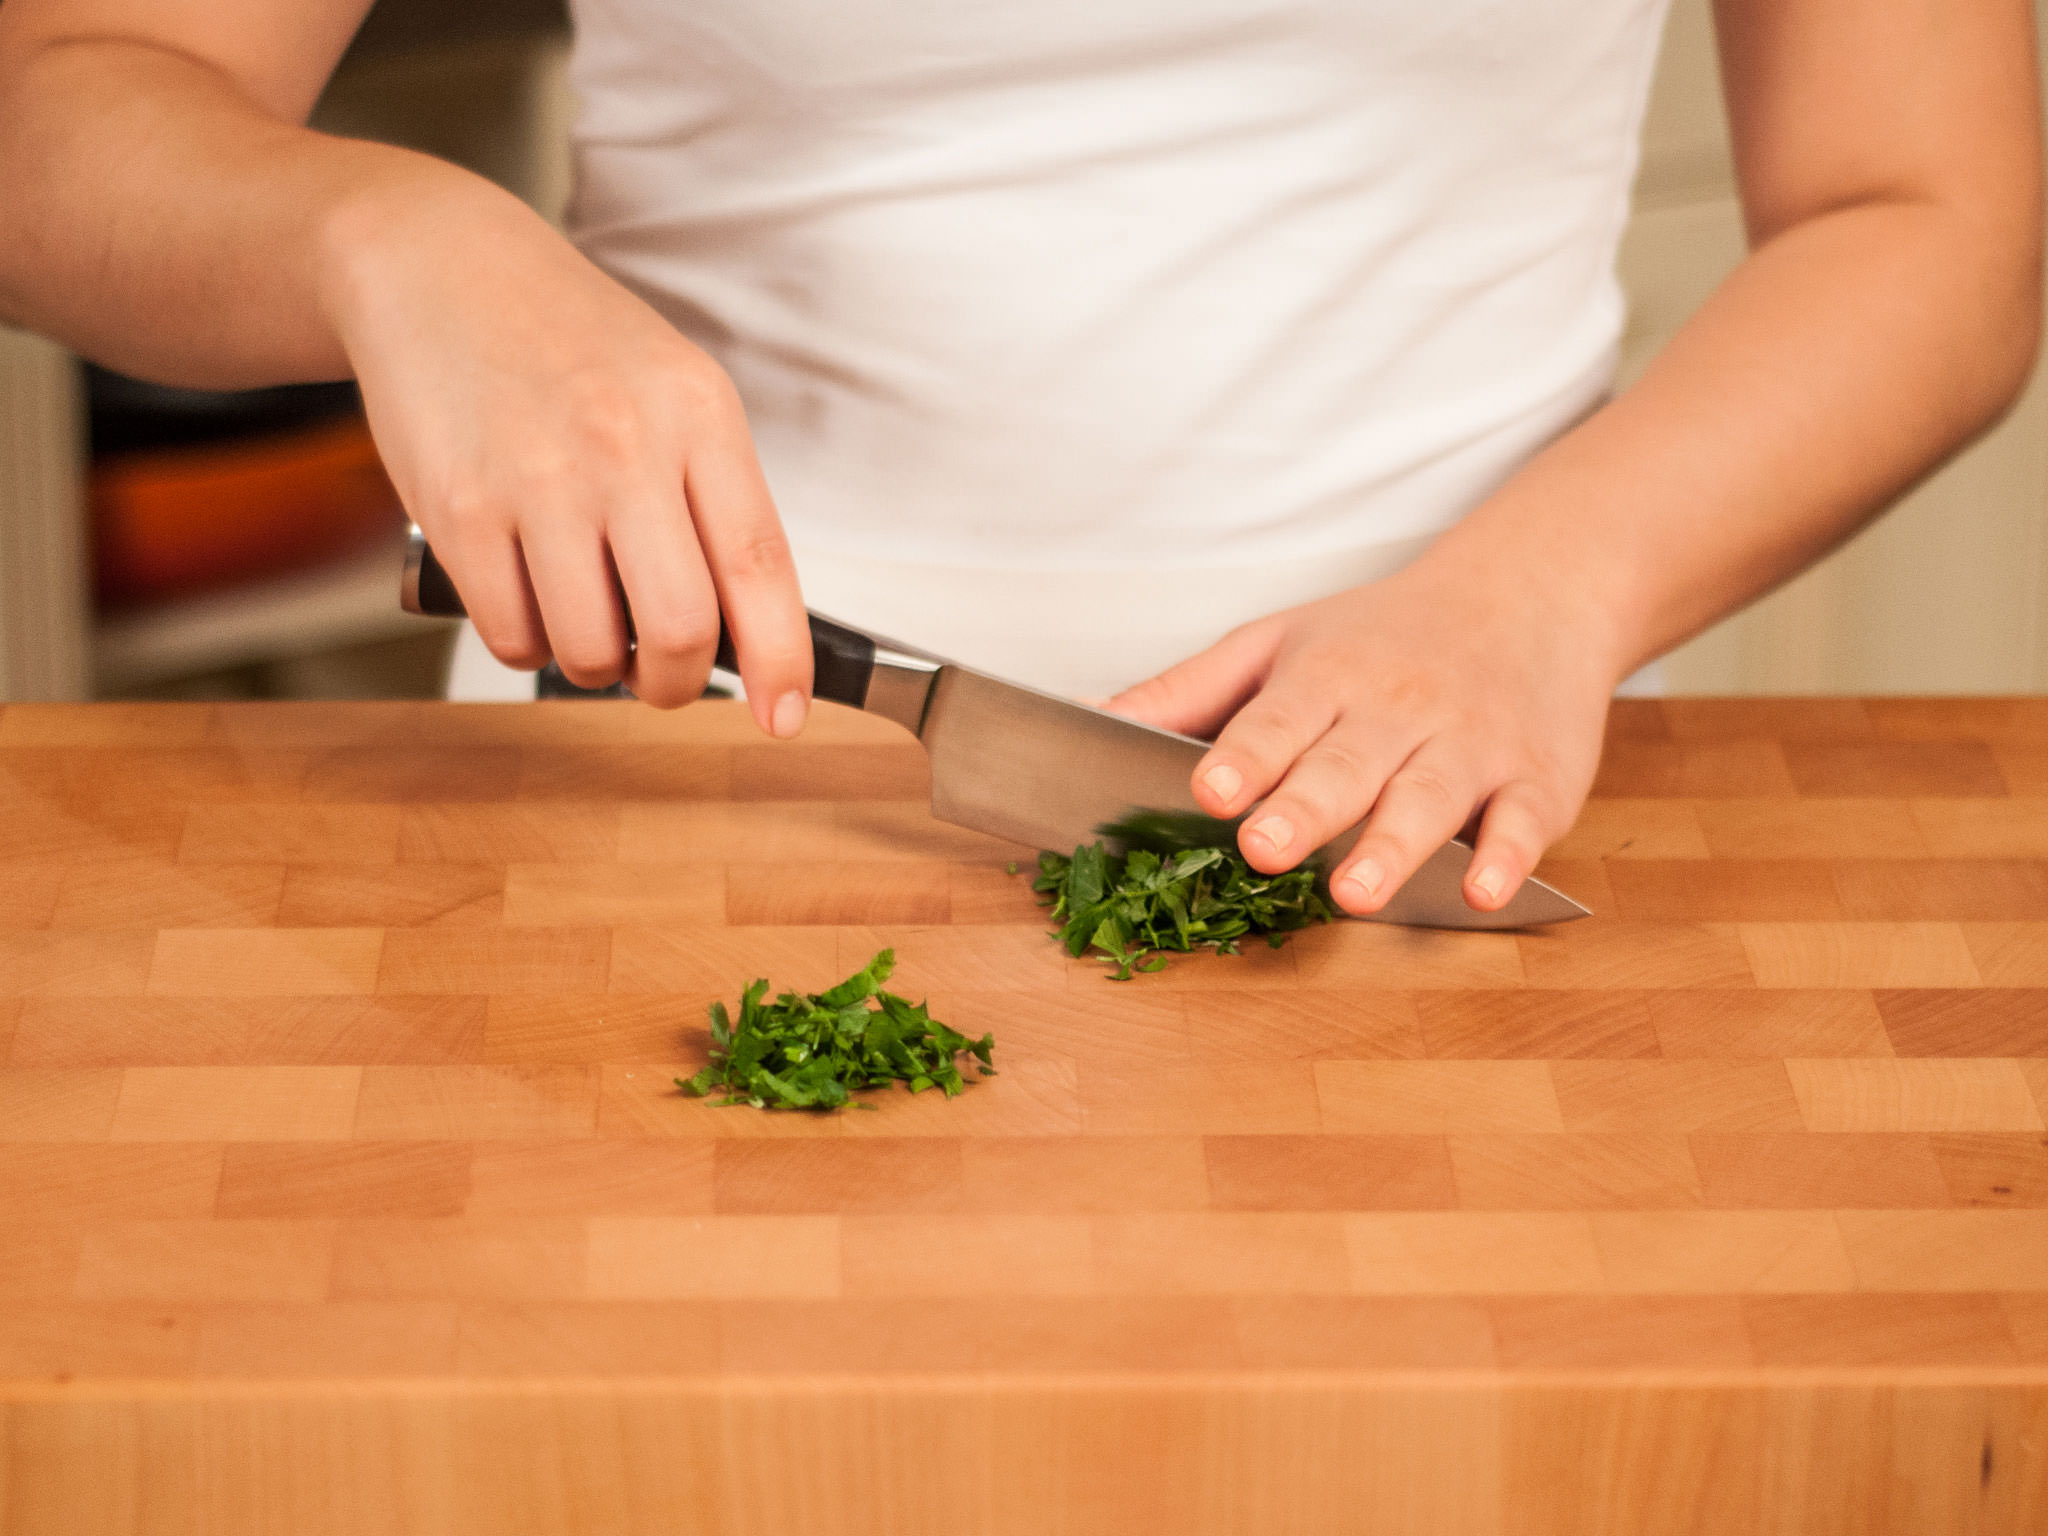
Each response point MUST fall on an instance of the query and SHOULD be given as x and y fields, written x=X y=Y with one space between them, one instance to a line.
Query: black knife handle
x=842 y=659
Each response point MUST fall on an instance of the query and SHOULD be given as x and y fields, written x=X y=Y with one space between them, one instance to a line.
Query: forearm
x=163 y=222
x=1839 y=363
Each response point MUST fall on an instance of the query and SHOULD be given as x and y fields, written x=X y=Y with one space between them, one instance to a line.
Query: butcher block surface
x=344 y=1184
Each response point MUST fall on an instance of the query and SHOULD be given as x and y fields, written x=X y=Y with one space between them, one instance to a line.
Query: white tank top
x=1073 y=332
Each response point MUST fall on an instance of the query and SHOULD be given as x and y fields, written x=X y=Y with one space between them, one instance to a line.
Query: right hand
x=558 y=440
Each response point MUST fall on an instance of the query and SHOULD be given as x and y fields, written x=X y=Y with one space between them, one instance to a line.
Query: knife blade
x=1048 y=772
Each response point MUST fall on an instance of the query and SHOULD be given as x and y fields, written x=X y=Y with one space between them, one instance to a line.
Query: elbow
x=2016 y=348
x=2010 y=252
x=1989 y=278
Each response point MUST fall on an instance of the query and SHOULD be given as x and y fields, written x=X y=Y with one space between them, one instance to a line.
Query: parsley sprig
x=1134 y=907
x=815 y=1050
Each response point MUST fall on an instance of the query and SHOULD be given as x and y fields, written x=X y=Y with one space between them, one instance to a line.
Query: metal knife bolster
x=848 y=667
x=900 y=688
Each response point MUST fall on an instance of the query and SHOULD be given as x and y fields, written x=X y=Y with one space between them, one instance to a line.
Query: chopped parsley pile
x=816 y=1050
x=1135 y=907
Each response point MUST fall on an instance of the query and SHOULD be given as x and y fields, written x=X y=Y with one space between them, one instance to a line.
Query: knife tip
x=1547 y=905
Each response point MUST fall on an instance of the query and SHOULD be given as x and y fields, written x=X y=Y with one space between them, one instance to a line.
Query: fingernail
x=1224 y=782
x=789 y=715
x=1366 y=878
x=1277 y=830
x=1489 y=881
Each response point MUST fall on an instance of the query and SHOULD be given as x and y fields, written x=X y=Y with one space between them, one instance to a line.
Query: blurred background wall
x=1947 y=593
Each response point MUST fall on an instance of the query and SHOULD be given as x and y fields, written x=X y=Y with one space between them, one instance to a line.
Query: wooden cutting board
x=343 y=1187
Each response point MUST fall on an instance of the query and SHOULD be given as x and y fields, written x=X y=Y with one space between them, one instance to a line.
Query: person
x=1261 y=346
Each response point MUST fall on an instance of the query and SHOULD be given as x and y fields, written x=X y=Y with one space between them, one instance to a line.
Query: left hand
x=1427 y=699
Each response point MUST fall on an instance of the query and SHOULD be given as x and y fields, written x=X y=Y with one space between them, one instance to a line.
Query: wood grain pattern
x=338 y=1130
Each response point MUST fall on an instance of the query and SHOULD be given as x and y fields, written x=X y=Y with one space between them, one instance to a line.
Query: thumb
x=1197 y=696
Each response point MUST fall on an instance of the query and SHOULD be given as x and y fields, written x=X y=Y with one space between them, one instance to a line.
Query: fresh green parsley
x=816 y=1050
x=1134 y=907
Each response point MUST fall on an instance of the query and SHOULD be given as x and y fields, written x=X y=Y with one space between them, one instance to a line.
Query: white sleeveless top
x=1073 y=332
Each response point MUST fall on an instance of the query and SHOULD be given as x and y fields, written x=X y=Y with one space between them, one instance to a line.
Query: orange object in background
x=176 y=521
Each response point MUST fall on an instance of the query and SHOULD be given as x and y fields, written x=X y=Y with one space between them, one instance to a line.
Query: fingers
x=1199 y=694
x=1258 y=745
x=675 y=607
x=1517 y=826
x=498 y=597
x=1419 y=810
x=1414 y=808
x=755 y=577
x=682 y=552
x=572 y=577
x=1327 y=790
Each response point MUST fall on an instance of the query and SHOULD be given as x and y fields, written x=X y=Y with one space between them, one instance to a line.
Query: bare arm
x=1890 y=309
x=168 y=208
x=1889 y=156
x=170 y=215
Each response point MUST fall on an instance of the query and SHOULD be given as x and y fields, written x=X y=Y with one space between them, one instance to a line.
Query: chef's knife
x=1045 y=771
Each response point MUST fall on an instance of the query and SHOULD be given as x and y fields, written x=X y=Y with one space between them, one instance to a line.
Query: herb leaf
x=1134 y=907
x=816 y=1050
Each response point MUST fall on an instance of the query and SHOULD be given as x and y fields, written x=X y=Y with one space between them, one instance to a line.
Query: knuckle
x=1264 y=734
x=602 y=409
x=514 y=647
x=1564 y=815
x=1546 y=827
x=759 y=555
x=679 y=636
x=1517 y=841
x=667 y=689
x=1389 y=853
x=1405 y=836
x=1534 y=807
x=473 y=509
x=585 y=657
x=1415 y=696
x=706 y=394
x=1432 y=786
x=1330 y=660
x=1342 y=766
x=1541 y=825
x=1401 y=849
x=590 y=677
x=554 y=481
x=1303 y=812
